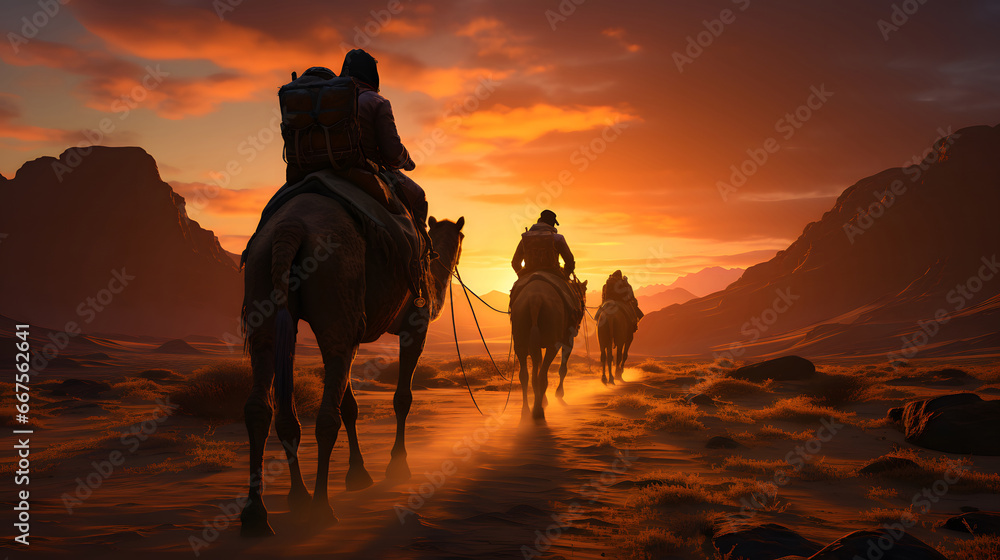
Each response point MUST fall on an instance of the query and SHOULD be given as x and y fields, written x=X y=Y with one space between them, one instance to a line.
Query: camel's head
x=447 y=238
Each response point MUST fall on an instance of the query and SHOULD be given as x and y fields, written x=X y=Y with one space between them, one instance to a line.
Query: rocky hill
x=97 y=238
x=904 y=264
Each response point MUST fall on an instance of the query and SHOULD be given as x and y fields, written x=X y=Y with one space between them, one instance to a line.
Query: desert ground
x=140 y=453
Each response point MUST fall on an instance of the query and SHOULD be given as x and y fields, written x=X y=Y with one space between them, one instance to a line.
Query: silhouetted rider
x=379 y=138
x=540 y=249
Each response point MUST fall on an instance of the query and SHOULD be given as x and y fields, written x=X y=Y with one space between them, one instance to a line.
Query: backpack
x=319 y=120
x=540 y=250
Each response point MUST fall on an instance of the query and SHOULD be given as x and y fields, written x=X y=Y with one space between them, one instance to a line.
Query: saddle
x=614 y=306
x=384 y=220
x=571 y=296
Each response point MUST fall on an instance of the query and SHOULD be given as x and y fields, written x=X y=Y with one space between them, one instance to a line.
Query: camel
x=613 y=332
x=539 y=321
x=310 y=259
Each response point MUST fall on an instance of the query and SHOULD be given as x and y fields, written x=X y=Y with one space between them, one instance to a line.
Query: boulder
x=958 y=423
x=785 y=368
x=948 y=377
x=879 y=543
x=82 y=388
x=722 y=442
x=976 y=522
x=762 y=542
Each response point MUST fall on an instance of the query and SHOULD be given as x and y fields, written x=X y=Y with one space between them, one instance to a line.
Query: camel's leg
x=522 y=360
x=619 y=361
x=411 y=345
x=257 y=413
x=357 y=475
x=286 y=424
x=621 y=368
x=565 y=351
x=337 y=359
x=541 y=383
x=604 y=365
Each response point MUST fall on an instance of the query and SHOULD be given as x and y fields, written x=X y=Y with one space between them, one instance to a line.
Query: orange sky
x=610 y=113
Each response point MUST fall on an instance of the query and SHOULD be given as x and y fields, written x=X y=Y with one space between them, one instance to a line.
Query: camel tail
x=535 y=334
x=283 y=252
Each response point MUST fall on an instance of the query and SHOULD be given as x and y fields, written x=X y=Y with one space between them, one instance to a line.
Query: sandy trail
x=482 y=486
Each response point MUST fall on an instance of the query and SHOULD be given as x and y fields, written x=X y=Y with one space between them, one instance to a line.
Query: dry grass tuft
x=802 y=409
x=219 y=392
x=674 y=417
x=651 y=366
x=137 y=388
x=933 y=470
x=727 y=387
x=813 y=470
x=613 y=431
x=986 y=547
x=880 y=516
x=838 y=390
x=739 y=463
x=640 y=401
x=768 y=432
x=211 y=456
x=657 y=543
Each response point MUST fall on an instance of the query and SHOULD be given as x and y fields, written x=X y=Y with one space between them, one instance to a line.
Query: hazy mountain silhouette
x=649 y=300
x=858 y=281
x=706 y=281
x=77 y=234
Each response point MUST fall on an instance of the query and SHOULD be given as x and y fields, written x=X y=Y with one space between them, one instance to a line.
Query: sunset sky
x=609 y=113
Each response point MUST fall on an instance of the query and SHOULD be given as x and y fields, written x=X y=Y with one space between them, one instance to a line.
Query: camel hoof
x=611 y=380
x=560 y=392
x=253 y=521
x=358 y=478
x=321 y=513
x=398 y=470
x=604 y=379
x=298 y=501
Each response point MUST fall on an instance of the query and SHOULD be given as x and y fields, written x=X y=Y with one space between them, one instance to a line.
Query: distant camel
x=614 y=331
x=348 y=294
x=539 y=321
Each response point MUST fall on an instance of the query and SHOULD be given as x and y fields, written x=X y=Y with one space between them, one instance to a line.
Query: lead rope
x=454 y=330
x=510 y=349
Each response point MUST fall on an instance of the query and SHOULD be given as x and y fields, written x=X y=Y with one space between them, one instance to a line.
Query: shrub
x=220 y=390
